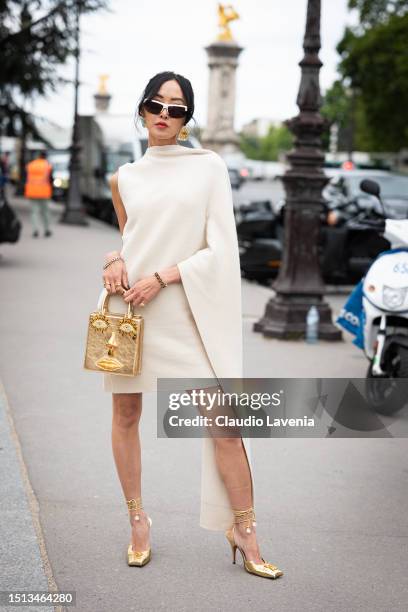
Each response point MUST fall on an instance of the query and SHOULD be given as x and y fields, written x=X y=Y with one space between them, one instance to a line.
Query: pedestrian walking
x=179 y=268
x=38 y=189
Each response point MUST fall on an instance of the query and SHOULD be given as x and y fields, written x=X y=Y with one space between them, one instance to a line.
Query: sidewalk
x=22 y=548
x=330 y=512
x=268 y=357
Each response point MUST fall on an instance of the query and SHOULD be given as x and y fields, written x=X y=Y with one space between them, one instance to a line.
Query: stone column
x=219 y=134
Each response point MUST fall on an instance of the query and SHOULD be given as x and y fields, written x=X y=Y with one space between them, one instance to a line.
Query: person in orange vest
x=38 y=189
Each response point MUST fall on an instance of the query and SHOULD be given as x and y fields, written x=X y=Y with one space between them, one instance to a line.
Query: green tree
x=374 y=64
x=343 y=106
x=373 y=12
x=268 y=147
x=36 y=36
x=336 y=108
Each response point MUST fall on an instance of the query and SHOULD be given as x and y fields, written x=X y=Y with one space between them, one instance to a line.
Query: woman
x=179 y=267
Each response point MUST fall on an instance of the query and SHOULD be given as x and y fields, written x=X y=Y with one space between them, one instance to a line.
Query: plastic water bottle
x=312 y=325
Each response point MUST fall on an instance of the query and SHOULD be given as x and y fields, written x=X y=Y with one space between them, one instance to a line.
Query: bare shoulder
x=113 y=181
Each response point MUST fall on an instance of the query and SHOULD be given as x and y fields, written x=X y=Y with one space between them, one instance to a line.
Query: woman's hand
x=143 y=291
x=115 y=276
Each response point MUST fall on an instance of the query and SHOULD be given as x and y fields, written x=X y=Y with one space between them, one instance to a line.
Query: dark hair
x=43 y=154
x=153 y=86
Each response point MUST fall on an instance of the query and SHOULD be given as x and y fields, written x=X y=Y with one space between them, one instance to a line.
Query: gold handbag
x=114 y=341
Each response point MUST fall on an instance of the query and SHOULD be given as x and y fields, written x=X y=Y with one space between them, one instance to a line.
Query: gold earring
x=183 y=133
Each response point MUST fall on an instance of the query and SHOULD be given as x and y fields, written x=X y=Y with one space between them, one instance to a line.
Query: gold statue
x=102 y=91
x=226 y=13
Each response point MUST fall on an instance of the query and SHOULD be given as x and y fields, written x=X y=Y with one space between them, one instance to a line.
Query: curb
x=21 y=477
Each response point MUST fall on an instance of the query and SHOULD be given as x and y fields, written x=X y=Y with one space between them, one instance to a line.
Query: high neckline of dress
x=164 y=149
x=175 y=151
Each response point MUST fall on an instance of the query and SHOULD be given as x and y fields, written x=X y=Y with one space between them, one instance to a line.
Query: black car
x=344 y=188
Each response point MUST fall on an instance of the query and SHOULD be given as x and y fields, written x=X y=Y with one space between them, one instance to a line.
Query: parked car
x=238 y=163
x=260 y=170
x=344 y=188
x=235 y=178
x=256 y=169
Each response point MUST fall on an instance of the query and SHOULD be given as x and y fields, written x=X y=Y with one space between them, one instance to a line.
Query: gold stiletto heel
x=234 y=547
x=134 y=557
x=266 y=570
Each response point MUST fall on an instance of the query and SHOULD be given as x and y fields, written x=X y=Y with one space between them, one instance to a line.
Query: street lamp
x=74 y=213
x=299 y=284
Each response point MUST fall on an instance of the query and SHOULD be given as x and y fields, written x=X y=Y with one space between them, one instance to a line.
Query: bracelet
x=111 y=261
x=162 y=283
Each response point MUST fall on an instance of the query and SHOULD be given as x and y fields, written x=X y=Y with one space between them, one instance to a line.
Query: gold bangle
x=111 y=261
x=162 y=283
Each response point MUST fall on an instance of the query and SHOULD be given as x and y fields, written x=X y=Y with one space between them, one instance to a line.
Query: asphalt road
x=331 y=513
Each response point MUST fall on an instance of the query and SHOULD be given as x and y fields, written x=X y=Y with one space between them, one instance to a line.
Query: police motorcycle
x=376 y=312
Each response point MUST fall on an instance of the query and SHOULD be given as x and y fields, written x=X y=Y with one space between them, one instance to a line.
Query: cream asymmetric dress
x=179 y=208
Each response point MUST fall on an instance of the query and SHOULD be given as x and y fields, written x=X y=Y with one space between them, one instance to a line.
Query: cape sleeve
x=211 y=279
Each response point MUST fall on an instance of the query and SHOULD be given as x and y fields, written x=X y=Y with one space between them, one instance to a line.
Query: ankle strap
x=135 y=504
x=245 y=516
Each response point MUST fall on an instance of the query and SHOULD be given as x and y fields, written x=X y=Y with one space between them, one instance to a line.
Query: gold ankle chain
x=135 y=504
x=245 y=516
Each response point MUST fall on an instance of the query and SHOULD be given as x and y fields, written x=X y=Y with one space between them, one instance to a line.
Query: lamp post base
x=74 y=217
x=285 y=318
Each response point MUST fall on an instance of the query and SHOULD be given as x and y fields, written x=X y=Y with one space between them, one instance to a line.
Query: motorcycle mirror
x=373 y=188
x=370 y=187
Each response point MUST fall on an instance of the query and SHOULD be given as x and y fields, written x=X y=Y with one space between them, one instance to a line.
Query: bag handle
x=105 y=302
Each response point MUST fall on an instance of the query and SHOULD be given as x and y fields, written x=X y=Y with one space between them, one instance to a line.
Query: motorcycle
x=259 y=240
x=345 y=250
x=377 y=312
x=348 y=248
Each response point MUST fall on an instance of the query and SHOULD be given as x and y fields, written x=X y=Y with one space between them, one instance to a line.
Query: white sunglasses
x=176 y=111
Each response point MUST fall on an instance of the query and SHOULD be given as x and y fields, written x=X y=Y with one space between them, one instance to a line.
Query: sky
x=139 y=38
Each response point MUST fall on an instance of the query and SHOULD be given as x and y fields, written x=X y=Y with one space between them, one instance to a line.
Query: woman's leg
x=127 y=410
x=235 y=471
